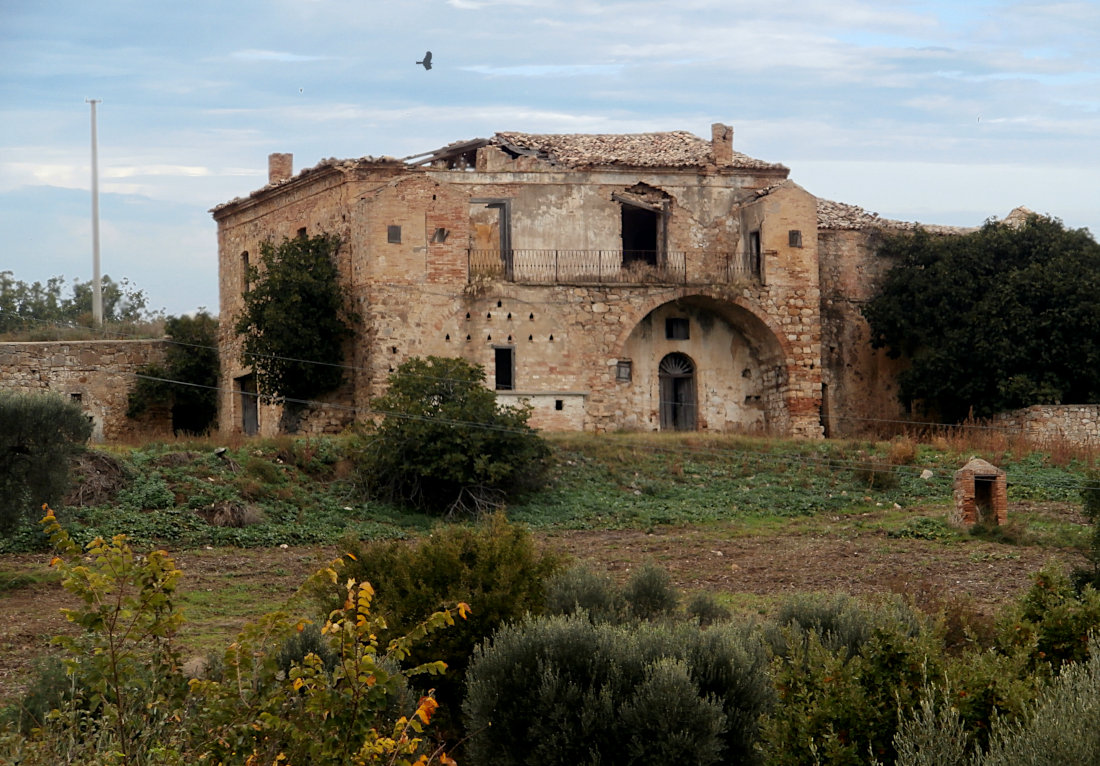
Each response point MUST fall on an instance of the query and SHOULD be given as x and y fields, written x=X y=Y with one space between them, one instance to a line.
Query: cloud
x=546 y=70
x=253 y=54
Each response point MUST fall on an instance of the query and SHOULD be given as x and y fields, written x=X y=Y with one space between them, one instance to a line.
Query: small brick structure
x=981 y=494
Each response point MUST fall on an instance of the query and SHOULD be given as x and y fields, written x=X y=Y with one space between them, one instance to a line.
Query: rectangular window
x=505 y=367
x=244 y=271
x=393 y=234
x=76 y=398
x=794 y=238
x=677 y=328
x=302 y=232
x=754 y=254
x=624 y=370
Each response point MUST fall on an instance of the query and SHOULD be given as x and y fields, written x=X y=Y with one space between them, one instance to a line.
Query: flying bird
x=427 y=62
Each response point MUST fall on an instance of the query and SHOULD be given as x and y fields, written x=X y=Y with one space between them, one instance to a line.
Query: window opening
x=505 y=358
x=393 y=234
x=244 y=271
x=624 y=370
x=76 y=398
x=794 y=238
x=491 y=236
x=754 y=253
x=250 y=410
x=676 y=376
x=559 y=404
x=302 y=232
x=440 y=236
x=677 y=328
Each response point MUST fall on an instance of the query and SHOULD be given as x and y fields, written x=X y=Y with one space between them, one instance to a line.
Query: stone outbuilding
x=981 y=495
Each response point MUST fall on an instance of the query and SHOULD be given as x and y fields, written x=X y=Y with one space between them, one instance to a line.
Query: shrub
x=649 y=593
x=444 y=445
x=38 y=436
x=842 y=672
x=1090 y=502
x=493 y=565
x=1053 y=621
x=583 y=692
x=578 y=588
x=704 y=608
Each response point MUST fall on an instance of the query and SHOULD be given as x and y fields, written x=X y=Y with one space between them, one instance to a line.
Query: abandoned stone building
x=644 y=282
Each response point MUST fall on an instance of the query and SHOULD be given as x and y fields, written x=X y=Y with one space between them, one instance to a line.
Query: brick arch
x=737 y=310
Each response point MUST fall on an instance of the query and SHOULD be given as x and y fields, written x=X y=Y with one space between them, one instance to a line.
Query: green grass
x=299 y=490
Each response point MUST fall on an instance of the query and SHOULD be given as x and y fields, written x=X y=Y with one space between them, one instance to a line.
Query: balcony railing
x=628 y=267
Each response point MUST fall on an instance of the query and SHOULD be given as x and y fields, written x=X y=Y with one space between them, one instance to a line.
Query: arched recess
x=738 y=369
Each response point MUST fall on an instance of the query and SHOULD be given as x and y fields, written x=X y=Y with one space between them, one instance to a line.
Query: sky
x=946 y=112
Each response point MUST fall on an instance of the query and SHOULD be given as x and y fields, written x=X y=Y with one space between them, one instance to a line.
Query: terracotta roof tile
x=674 y=149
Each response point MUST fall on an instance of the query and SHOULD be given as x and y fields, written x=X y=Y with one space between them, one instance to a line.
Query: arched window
x=677 y=390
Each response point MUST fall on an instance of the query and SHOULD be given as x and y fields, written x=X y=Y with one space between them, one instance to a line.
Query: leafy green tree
x=1001 y=318
x=296 y=322
x=38 y=434
x=444 y=445
x=24 y=305
x=187 y=381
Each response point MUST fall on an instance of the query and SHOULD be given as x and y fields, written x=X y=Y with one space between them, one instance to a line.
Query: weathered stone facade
x=653 y=281
x=98 y=374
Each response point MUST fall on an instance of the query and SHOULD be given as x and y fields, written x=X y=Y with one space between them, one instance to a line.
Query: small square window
x=559 y=404
x=794 y=238
x=440 y=236
x=677 y=328
x=302 y=232
x=623 y=370
x=76 y=398
x=393 y=234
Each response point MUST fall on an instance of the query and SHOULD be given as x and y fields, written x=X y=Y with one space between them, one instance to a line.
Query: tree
x=24 y=306
x=444 y=445
x=296 y=321
x=38 y=434
x=188 y=380
x=1004 y=317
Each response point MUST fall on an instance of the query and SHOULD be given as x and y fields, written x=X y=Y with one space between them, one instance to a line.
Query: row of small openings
x=490 y=337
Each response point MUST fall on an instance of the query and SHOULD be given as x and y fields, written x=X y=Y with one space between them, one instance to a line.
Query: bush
x=704 y=608
x=842 y=672
x=1053 y=621
x=649 y=593
x=580 y=589
x=39 y=435
x=445 y=446
x=564 y=690
x=493 y=565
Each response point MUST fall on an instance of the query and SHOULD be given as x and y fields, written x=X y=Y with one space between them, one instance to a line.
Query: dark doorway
x=491 y=236
x=640 y=235
x=505 y=358
x=250 y=411
x=983 y=499
x=677 y=391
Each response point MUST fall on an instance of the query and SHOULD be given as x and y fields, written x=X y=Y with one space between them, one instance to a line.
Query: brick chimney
x=280 y=167
x=721 y=144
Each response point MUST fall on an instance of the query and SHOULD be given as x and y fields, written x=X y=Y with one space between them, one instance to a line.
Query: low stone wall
x=1074 y=423
x=98 y=374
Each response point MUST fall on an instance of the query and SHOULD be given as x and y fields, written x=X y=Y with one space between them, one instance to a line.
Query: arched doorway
x=677 y=390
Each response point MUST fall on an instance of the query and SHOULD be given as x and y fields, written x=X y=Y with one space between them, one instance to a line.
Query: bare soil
x=852 y=556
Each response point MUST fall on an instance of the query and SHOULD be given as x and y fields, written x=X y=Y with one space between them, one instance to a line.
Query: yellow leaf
x=55 y=561
x=464 y=609
x=425 y=709
x=351 y=556
x=298 y=684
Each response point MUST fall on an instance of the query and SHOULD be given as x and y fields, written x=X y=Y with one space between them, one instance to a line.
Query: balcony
x=614 y=267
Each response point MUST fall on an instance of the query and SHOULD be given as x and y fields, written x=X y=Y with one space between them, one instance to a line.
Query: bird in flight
x=427 y=62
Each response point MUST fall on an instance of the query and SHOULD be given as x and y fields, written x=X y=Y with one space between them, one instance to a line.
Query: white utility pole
x=97 y=288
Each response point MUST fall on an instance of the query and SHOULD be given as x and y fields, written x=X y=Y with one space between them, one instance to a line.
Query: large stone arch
x=747 y=375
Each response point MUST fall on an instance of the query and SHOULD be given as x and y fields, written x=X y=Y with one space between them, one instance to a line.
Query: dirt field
x=222 y=588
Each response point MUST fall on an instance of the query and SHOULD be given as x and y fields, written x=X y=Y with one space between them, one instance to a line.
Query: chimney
x=721 y=144
x=280 y=167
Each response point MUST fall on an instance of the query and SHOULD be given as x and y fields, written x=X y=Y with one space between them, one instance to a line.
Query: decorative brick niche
x=981 y=495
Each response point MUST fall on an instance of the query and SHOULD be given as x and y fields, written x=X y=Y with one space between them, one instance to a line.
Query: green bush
x=649 y=593
x=578 y=588
x=444 y=445
x=38 y=435
x=493 y=565
x=1052 y=620
x=1062 y=727
x=565 y=690
x=704 y=608
x=842 y=672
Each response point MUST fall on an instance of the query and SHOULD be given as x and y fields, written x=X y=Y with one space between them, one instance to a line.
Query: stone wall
x=1073 y=423
x=98 y=374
